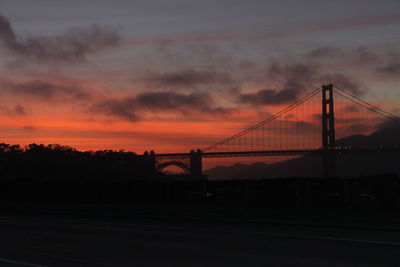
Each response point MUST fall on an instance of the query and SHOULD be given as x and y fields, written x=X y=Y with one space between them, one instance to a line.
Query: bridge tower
x=196 y=164
x=328 y=132
x=150 y=161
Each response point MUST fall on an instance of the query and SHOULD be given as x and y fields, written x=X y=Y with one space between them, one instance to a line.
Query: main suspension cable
x=366 y=105
x=267 y=120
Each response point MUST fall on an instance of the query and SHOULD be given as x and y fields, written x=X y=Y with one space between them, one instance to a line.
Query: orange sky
x=171 y=83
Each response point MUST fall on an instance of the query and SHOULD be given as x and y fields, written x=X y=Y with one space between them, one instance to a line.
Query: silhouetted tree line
x=61 y=174
x=56 y=162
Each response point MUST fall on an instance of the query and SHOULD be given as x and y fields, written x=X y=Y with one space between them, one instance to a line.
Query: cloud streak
x=359 y=55
x=17 y=110
x=187 y=78
x=72 y=46
x=323 y=27
x=270 y=97
x=45 y=90
x=390 y=69
x=129 y=108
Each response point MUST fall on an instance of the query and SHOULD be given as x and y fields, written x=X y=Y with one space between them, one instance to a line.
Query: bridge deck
x=296 y=152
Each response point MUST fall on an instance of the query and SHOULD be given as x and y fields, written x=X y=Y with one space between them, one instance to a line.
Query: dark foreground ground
x=166 y=236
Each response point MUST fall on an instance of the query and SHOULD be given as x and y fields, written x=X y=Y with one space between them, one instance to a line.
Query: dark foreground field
x=271 y=222
x=167 y=236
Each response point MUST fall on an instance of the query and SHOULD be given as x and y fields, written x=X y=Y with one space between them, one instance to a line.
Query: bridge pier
x=196 y=164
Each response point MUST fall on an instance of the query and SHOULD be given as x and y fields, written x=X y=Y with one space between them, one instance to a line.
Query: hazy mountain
x=308 y=165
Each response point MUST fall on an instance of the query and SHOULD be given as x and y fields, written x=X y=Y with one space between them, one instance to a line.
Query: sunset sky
x=172 y=75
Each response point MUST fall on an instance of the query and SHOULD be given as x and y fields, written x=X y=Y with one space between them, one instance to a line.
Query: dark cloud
x=29 y=128
x=188 y=78
x=390 y=69
x=17 y=110
x=383 y=61
x=46 y=90
x=170 y=100
x=292 y=75
x=364 y=56
x=124 y=108
x=128 y=108
x=295 y=76
x=359 y=55
x=270 y=97
x=345 y=82
x=305 y=77
x=291 y=80
x=324 y=52
x=72 y=46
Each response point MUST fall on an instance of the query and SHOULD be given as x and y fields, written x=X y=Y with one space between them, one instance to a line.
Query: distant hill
x=310 y=166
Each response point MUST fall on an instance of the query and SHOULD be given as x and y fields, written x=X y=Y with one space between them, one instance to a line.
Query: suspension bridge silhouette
x=288 y=133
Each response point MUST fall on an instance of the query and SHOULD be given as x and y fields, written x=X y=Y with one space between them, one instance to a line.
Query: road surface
x=44 y=241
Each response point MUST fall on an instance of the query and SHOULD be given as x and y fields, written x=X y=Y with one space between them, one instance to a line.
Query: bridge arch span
x=185 y=167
